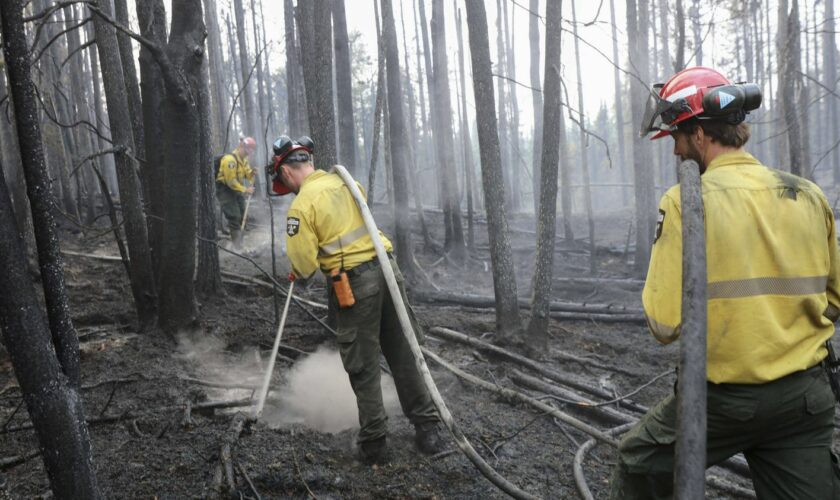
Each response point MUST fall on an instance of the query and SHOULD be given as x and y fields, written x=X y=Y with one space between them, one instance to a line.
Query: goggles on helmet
x=287 y=150
x=728 y=103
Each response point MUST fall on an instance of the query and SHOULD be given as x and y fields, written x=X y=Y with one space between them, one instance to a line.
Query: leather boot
x=373 y=452
x=428 y=437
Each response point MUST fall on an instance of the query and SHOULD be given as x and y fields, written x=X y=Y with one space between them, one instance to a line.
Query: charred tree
x=298 y=121
x=552 y=113
x=582 y=147
x=141 y=276
x=537 y=99
x=46 y=369
x=399 y=142
x=430 y=133
x=642 y=172
x=620 y=128
x=39 y=192
x=502 y=111
x=132 y=88
x=315 y=28
x=220 y=109
x=679 y=57
x=790 y=71
x=181 y=64
x=469 y=167
x=442 y=121
x=151 y=15
x=208 y=277
x=378 y=106
x=508 y=323
x=251 y=126
x=347 y=150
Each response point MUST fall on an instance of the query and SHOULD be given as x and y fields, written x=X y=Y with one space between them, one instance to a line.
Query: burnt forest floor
x=153 y=450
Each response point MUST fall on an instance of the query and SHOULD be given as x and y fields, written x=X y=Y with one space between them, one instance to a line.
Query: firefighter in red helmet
x=773 y=296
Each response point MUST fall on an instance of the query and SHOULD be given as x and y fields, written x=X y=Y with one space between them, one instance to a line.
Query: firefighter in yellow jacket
x=773 y=277
x=325 y=230
x=231 y=190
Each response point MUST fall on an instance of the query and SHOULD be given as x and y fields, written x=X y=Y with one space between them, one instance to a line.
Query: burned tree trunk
x=298 y=123
x=790 y=70
x=620 y=129
x=643 y=173
x=537 y=100
x=220 y=109
x=347 y=153
x=399 y=143
x=582 y=147
x=251 y=127
x=454 y=243
x=508 y=323
x=131 y=86
x=209 y=277
x=41 y=198
x=151 y=15
x=469 y=167
x=181 y=64
x=552 y=113
x=47 y=370
x=141 y=277
x=316 y=40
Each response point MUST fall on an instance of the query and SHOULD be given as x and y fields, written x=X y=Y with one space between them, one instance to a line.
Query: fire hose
x=408 y=331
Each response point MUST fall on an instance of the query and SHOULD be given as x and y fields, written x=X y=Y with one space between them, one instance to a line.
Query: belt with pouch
x=364 y=266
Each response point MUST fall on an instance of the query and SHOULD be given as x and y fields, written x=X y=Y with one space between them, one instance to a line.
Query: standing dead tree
x=39 y=191
x=141 y=276
x=399 y=142
x=348 y=154
x=508 y=322
x=469 y=169
x=442 y=122
x=550 y=158
x=315 y=29
x=47 y=370
x=536 y=98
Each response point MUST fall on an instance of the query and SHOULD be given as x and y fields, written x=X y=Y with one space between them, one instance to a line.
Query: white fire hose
x=408 y=332
x=267 y=379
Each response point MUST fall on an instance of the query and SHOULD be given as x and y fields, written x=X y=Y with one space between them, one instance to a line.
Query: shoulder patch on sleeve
x=232 y=165
x=659 y=221
x=292 y=226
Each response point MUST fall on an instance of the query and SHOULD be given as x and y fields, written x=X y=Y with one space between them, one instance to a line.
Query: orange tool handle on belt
x=341 y=285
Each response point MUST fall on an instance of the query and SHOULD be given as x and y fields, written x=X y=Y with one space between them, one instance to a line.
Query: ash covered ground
x=136 y=386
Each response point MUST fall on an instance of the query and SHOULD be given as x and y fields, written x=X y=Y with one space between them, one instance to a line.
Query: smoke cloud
x=317 y=394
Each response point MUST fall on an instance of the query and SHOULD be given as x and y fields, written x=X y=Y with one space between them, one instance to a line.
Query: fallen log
x=565 y=379
x=472 y=300
x=130 y=415
x=577 y=464
x=512 y=394
x=580 y=402
x=559 y=310
x=225 y=459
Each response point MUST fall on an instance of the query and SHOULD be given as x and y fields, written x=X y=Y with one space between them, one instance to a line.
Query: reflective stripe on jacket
x=324 y=228
x=233 y=170
x=772 y=264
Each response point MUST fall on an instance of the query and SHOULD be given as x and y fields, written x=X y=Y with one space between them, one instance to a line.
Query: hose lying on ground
x=408 y=330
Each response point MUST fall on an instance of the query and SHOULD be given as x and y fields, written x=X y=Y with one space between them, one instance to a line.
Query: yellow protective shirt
x=324 y=228
x=233 y=170
x=772 y=264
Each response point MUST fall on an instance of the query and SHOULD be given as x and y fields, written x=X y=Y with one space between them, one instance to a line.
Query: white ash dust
x=216 y=365
x=317 y=395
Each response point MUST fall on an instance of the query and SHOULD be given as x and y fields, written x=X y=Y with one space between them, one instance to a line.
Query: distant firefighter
x=325 y=230
x=233 y=171
x=773 y=297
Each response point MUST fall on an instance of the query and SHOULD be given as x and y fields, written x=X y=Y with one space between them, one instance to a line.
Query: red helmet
x=248 y=143
x=697 y=92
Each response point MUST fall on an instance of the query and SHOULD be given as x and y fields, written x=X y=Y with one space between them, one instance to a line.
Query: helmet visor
x=652 y=119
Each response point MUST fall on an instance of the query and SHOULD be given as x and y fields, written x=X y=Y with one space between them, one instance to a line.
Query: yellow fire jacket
x=772 y=264
x=233 y=170
x=324 y=228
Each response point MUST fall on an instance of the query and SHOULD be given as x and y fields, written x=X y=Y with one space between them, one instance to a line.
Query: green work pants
x=233 y=205
x=364 y=330
x=784 y=428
